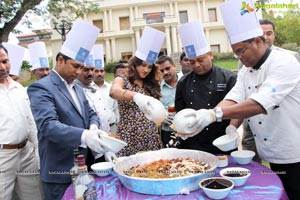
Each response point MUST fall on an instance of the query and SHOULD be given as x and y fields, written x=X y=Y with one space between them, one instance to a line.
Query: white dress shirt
x=276 y=87
x=16 y=120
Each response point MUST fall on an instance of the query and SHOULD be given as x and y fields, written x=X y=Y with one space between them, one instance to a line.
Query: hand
x=186 y=136
x=142 y=102
x=151 y=107
x=231 y=131
x=93 y=127
x=202 y=118
x=110 y=156
x=92 y=140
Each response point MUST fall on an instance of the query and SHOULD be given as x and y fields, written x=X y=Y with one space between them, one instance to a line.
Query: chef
x=266 y=95
x=39 y=60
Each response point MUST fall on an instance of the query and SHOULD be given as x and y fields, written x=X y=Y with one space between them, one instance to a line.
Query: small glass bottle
x=84 y=184
x=74 y=169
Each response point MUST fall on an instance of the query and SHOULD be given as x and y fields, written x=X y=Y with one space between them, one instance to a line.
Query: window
x=154 y=17
x=126 y=55
x=183 y=17
x=99 y=23
x=215 y=48
x=212 y=14
x=124 y=23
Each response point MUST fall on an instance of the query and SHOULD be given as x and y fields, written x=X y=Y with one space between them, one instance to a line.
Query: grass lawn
x=228 y=64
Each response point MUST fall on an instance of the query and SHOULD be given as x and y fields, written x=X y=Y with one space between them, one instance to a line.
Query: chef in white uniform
x=267 y=95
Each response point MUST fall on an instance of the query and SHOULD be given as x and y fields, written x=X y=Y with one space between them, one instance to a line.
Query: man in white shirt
x=18 y=161
x=109 y=105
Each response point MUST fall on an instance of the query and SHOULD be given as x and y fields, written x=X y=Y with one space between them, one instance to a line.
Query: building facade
x=122 y=22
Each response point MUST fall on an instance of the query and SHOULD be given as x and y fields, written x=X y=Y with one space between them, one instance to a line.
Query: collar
x=263 y=59
x=93 y=89
x=63 y=80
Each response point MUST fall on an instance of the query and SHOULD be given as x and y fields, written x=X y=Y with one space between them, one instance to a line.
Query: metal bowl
x=164 y=186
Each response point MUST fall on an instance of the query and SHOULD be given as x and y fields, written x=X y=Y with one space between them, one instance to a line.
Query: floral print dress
x=134 y=128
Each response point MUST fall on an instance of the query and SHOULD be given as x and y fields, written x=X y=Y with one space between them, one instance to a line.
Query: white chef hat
x=15 y=55
x=38 y=55
x=240 y=20
x=193 y=39
x=80 y=40
x=150 y=44
x=96 y=58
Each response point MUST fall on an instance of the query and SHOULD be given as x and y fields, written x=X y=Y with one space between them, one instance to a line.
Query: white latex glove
x=93 y=141
x=142 y=102
x=93 y=127
x=110 y=156
x=231 y=131
x=203 y=118
x=151 y=107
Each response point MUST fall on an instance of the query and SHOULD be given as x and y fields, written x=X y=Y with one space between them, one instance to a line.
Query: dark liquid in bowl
x=235 y=174
x=216 y=184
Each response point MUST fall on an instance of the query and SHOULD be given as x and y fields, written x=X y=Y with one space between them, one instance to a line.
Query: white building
x=122 y=21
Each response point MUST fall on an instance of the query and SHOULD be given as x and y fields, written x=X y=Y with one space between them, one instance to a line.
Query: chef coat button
x=192 y=90
x=191 y=102
x=208 y=104
x=265 y=139
x=209 y=92
x=206 y=129
x=249 y=87
x=194 y=81
x=254 y=135
x=251 y=70
x=259 y=123
x=248 y=120
x=210 y=82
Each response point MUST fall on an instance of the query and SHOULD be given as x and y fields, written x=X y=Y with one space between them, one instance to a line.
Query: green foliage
x=223 y=56
x=25 y=65
x=109 y=67
x=287 y=28
x=227 y=64
x=70 y=10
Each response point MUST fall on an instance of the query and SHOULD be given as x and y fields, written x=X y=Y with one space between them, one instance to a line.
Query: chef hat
x=240 y=20
x=80 y=40
x=150 y=44
x=95 y=58
x=193 y=39
x=38 y=55
x=15 y=55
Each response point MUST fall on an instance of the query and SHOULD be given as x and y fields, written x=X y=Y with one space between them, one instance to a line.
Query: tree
x=13 y=12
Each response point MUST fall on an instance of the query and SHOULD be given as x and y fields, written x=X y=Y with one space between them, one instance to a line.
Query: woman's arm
x=118 y=92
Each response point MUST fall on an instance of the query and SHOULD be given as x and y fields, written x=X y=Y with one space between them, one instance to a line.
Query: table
x=262 y=184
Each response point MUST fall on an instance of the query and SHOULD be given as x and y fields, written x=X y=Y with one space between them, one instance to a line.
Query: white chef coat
x=16 y=120
x=276 y=87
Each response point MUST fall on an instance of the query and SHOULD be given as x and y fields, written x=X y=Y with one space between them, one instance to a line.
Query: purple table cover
x=262 y=184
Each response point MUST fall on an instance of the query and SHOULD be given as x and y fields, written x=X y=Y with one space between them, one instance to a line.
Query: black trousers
x=290 y=176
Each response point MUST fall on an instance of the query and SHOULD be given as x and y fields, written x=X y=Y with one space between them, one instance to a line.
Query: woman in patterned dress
x=140 y=133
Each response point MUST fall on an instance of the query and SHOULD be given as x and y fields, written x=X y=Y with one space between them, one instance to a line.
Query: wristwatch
x=219 y=114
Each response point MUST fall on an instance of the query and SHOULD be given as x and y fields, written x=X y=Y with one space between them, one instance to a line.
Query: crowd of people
x=72 y=106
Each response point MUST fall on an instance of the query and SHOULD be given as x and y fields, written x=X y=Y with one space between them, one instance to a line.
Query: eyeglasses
x=240 y=52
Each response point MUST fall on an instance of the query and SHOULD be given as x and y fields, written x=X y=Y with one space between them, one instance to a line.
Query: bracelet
x=123 y=95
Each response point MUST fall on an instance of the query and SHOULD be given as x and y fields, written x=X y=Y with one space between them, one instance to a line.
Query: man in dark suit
x=64 y=118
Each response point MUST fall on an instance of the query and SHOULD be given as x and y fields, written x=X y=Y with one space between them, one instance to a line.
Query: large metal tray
x=166 y=186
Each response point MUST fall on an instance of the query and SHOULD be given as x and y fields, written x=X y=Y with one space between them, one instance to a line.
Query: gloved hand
x=231 y=131
x=110 y=156
x=93 y=127
x=202 y=118
x=93 y=141
x=142 y=102
x=151 y=107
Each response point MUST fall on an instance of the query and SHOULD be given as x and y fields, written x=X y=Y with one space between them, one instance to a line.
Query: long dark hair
x=150 y=83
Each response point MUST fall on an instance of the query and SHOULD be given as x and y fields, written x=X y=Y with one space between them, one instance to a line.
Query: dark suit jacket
x=60 y=125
